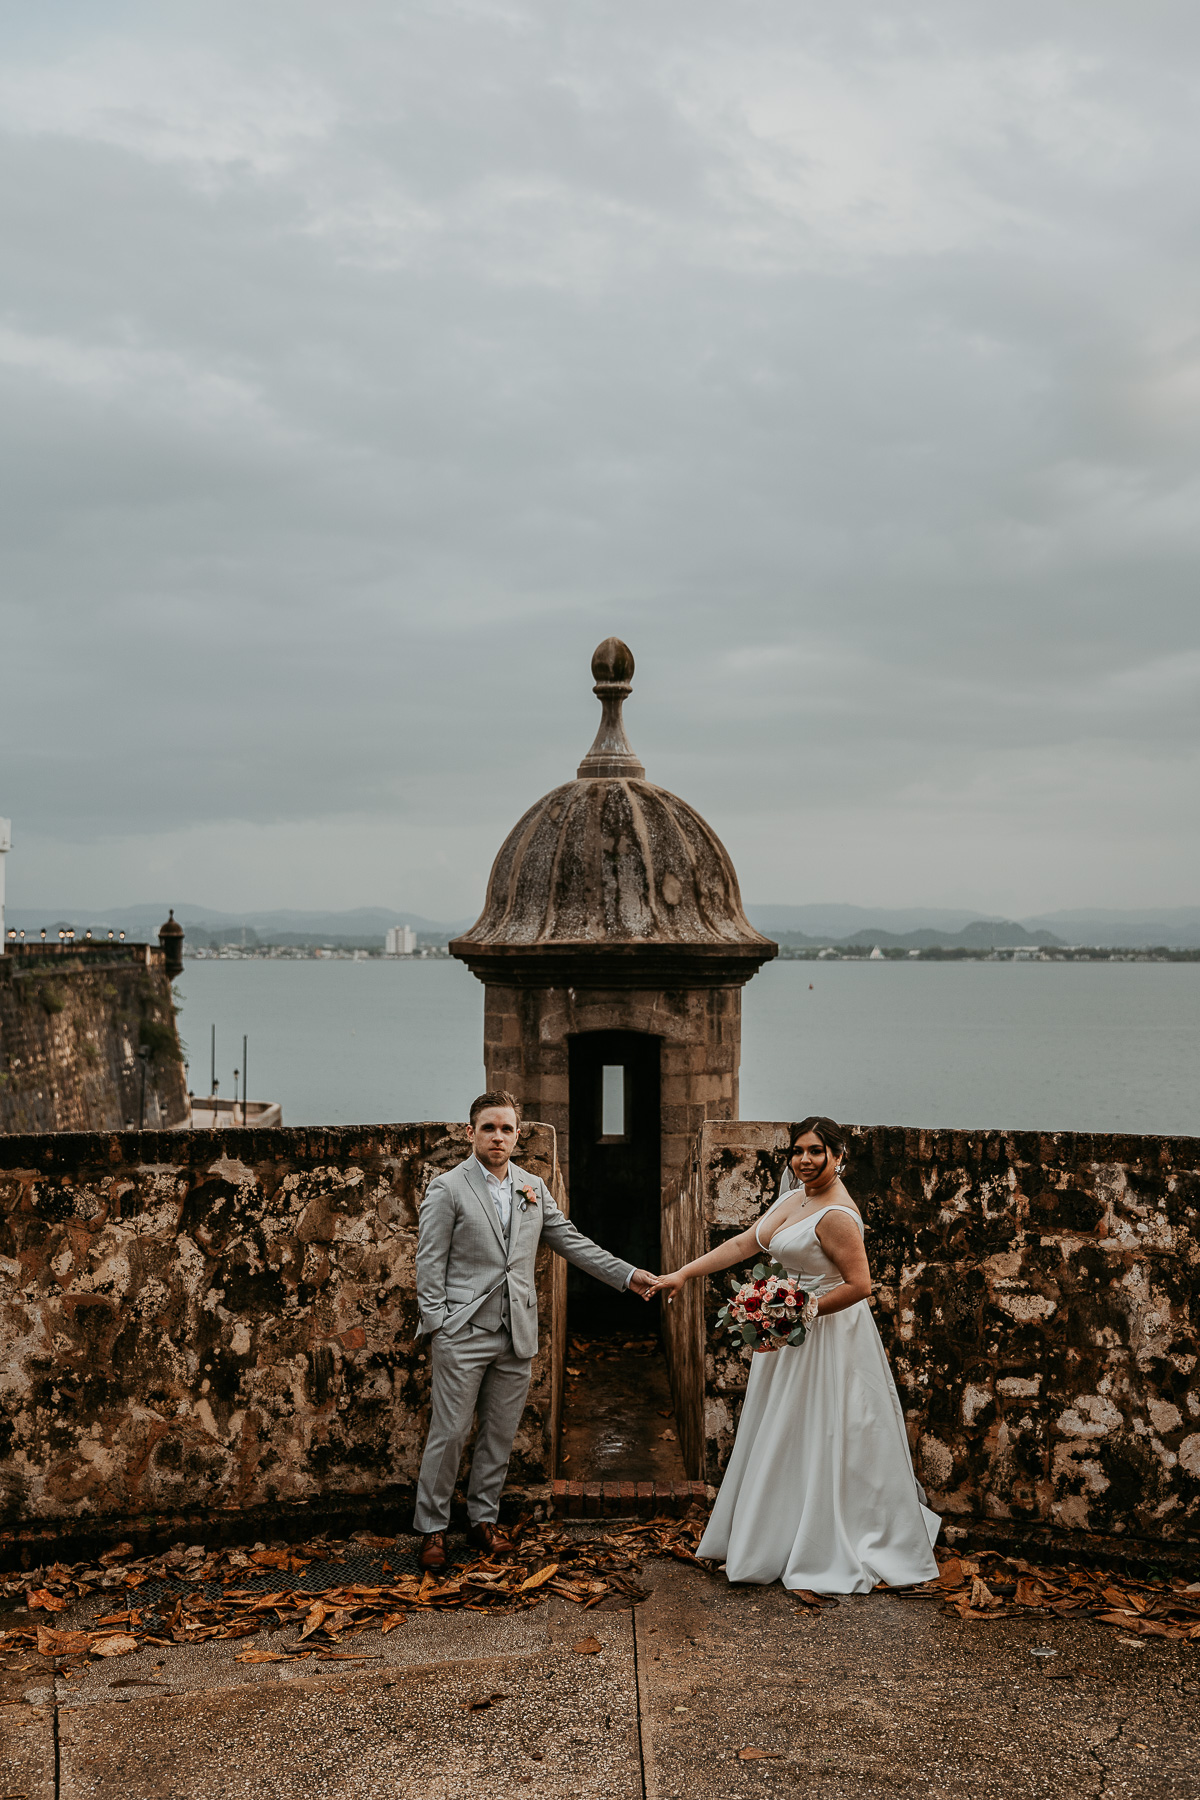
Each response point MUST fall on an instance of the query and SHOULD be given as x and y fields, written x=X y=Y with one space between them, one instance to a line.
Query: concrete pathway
x=704 y=1691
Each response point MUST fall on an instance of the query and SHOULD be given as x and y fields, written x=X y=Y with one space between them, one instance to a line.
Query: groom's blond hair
x=497 y=1097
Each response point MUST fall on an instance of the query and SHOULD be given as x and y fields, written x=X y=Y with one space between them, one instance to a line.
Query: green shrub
x=159 y=1039
x=52 y=997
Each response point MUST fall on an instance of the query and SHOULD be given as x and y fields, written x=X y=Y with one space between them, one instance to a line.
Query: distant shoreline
x=1083 y=953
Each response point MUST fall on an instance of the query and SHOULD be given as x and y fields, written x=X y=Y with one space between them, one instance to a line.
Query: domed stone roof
x=610 y=878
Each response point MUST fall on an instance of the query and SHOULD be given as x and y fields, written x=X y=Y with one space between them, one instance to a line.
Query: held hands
x=668 y=1285
x=641 y=1282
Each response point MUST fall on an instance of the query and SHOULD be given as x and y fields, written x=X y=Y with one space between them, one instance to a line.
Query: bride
x=820 y=1491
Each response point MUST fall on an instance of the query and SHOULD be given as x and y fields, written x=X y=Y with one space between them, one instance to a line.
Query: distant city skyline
x=361 y=369
x=398 y=931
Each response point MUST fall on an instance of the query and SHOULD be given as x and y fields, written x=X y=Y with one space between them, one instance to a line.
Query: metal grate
x=358 y=1568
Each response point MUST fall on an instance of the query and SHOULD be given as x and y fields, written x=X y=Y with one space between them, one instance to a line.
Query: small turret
x=170 y=937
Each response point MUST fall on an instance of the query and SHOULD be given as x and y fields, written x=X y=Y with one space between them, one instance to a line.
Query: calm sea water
x=1083 y=1047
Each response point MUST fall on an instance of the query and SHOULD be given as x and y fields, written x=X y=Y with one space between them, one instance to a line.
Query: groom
x=477 y=1238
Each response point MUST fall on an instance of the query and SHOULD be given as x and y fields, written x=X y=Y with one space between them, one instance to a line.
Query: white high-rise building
x=401 y=940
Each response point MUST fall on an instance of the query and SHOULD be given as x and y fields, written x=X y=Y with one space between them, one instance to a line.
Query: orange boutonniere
x=528 y=1198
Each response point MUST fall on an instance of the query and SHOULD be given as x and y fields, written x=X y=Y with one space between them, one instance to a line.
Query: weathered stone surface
x=1036 y=1294
x=207 y=1320
x=71 y=1027
x=881 y=1696
x=526 y=1034
x=27 y=1752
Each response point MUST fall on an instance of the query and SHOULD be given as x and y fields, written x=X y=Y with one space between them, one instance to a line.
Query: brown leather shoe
x=490 y=1539
x=432 y=1554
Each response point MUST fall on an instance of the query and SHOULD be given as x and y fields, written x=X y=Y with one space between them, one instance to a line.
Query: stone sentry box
x=613 y=939
x=223 y=1324
x=1037 y=1298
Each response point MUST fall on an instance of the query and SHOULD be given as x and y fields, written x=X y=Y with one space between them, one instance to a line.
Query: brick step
x=620 y=1499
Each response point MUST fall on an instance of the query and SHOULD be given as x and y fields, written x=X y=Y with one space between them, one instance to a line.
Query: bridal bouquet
x=768 y=1311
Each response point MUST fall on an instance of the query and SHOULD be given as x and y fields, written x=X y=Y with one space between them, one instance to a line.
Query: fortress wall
x=224 y=1322
x=71 y=1026
x=1037 y=1298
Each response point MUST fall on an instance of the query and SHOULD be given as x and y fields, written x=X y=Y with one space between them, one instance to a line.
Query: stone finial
x=611 y=754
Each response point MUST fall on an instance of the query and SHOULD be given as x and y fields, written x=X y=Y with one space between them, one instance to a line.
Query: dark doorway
x=615 y=1171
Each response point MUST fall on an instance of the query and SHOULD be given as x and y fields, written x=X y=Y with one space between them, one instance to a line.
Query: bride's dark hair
x=829 y=1131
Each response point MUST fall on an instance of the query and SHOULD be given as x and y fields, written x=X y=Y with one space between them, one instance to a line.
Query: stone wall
x=526 y=1050
x=72 y=1022
x=216 y=1323
x=1037 y=1298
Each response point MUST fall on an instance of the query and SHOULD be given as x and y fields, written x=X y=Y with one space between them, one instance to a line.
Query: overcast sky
x=362 y=366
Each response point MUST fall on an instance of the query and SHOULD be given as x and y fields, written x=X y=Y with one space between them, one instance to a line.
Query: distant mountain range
x=920 y=928
x=914 y=928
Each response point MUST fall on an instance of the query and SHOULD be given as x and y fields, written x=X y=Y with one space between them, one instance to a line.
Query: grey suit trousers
x=472 y=1368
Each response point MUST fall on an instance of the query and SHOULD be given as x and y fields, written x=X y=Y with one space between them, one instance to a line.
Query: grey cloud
x=361 y=369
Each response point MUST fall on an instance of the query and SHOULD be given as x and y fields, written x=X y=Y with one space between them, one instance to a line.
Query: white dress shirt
x=502 y=1194
x=502 y=1198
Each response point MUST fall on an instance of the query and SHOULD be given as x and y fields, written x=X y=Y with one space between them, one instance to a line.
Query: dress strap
x=836 y=1206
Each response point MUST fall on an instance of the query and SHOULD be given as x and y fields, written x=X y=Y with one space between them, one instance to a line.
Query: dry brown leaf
x=535 y=1581
x=1143 y=1627
x=315 y=1616
x=62 y=1643
x=41 y=1599
x=750 y=1754
x=588 y=1646
x=262 y=1656
x=390 y=1621
x=981 y=1594
x=1029 y=1592
x=116 y=1643
x=114 y=1555
x=275 y=1559
x=482 y=1705
x=951 y=1575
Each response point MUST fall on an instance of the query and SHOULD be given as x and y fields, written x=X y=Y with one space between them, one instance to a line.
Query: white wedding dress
x=820 y=1491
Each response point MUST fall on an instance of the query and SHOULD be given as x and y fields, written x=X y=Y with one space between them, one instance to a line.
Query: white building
x=401 y=940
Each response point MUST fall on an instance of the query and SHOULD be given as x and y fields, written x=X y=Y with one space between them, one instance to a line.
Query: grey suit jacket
x=465 y=1268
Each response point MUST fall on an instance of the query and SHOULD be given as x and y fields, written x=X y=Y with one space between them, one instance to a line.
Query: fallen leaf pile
x=219 y=1593
x=988 y=1585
